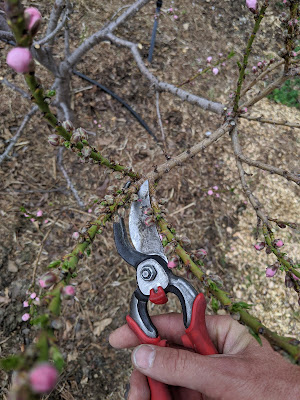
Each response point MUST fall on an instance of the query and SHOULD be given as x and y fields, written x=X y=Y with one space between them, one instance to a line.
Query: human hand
x=243 y=370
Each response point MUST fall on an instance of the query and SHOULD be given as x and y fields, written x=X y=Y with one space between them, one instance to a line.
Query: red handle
x=158 y=390
x=196 y=335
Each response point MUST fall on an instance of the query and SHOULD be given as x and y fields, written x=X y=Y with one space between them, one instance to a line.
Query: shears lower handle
x=196 y=337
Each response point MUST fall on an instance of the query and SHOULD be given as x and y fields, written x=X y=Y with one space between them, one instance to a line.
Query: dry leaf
x=100 y=326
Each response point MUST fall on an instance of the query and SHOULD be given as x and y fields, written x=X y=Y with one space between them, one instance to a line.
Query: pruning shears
x=154 y=281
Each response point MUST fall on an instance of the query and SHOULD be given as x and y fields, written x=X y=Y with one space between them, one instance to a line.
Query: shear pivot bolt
x=148 y=273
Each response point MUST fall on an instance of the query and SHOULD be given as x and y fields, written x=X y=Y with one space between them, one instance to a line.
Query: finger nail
x=143 y=356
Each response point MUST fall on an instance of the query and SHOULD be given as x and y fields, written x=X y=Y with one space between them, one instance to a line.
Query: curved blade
x=144 y=238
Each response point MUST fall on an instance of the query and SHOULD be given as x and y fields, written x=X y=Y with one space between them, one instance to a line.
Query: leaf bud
x=278 y=243
x=174 y=262
x=76 y=137
x=200 y=254
x=82 y=133
x=109 y=199
x=185 y=241
x=259 y=246
x=47 y=280
x=53 y=139
x=86 y=151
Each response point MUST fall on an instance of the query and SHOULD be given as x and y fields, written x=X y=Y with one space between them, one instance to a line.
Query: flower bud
x=252 y=5
x=149 y=221
x=168 y=249
x=148 y=211
x=86 y=151
x=281 y=225
x=185 y=241
x=254 y=69
x=278 y=243
x=174 y=262
x=100 y=210
x=76 y=137
x=209 y=59
x=82 y=133
x=271 y=271
x=288 y=281
x=33 y=19
x=43 y=378
x=53 y=139
x=20 y=59
x=47 y=280
x=268 y=250
x=75 y=235
x=68 y=126
x=200 y=254
x=215 y=71
x=69 y=291
x=259 y=246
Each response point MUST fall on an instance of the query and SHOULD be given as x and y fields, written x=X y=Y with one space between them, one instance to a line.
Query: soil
x=224 y=225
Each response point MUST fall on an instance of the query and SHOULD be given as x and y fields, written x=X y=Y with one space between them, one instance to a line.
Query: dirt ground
x=224 y=225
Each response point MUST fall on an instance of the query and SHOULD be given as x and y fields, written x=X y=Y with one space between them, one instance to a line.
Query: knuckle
x=176 y=361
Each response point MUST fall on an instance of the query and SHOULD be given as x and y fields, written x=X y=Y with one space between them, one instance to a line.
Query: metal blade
x=144 y=238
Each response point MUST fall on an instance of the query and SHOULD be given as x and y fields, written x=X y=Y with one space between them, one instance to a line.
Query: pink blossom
x=20 y=59
x=173 y=262
x=170 y=9
x=245 y=109
x=39 y=213
x=37 y=300
x=295 y=277
x=220 y=54
x=46 y=221
x=251 y=4
x=99 y=125
x=254 y=69
x=90 y=210
x=75 y=235
x=259 y=246
x=69 y=291
x=294 y=54
x=215 y=187
x=95 y=121
x=260 y=64
x=217 y=195
x=43 y=378
x=33 y=295
x=175 y=16
x=223 y=64
x=33 y=19
x=278 y=243
x=26 y=215
x=47 y=280
x=209 y=59
x=215 y=71
x=25 y=304
x=210 y=192
x=32 y=219
x=270 y=272
x=25 y=317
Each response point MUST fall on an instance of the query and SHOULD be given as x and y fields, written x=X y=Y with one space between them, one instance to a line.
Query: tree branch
x=270 y=121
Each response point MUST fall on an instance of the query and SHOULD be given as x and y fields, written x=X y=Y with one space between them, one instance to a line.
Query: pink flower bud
x=210 y=192
x=47 y=280
x=75 y=235
x=259 y=246
x=215 y=187
x=175 y=16
x=25 y=304
x=69 y=291
x=173 y=262
x=217 y=195
x=295 y=277
x=278 y=243
x=251 y=4
x=43 y=378
x=53 y=139
x=209 y=59
x=149 y=221
x=25 y=317
x=39 y=213
x=271 y=271
x=170 y=9
x=260 y=65
x=33 y=19
x=20 y=59
x=200 y=254
x=33 y=295
x=46 y=221
x=148 y=211
x=254 y=69
x=215 y=71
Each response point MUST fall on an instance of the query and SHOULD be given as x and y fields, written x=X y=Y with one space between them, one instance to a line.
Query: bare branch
x=70 y=184
x=6 y=35
x=253 y=200
x=55 y=15
x=271 y=121
x=203 y=103
x=159 y=120
x=66 y=111
x=12 y=86
x=18 y=134
x=51 y=35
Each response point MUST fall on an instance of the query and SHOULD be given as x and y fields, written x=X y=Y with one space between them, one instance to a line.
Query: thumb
x=183 y=368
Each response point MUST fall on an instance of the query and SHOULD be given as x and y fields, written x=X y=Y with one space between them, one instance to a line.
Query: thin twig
x=270 y=121
x=160 y=121
x=36 y=261
x=70 y=184
x=51 y=35
x=14 y=140
x=54 y=16
x=24 y=94
x=253 y=200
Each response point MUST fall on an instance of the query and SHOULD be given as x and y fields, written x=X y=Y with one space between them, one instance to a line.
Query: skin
x=243 y=370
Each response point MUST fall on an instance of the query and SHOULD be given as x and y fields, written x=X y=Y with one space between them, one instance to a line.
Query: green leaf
x=241 y=305
x=51 y=93
x=255 y=335
x=11 y=362
x=231 y=54
x=214 y=304
x=41 y=320
x=57 y=358
x=88 y=252
x=54 y=264
x=55 y=304
x=43 y=347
